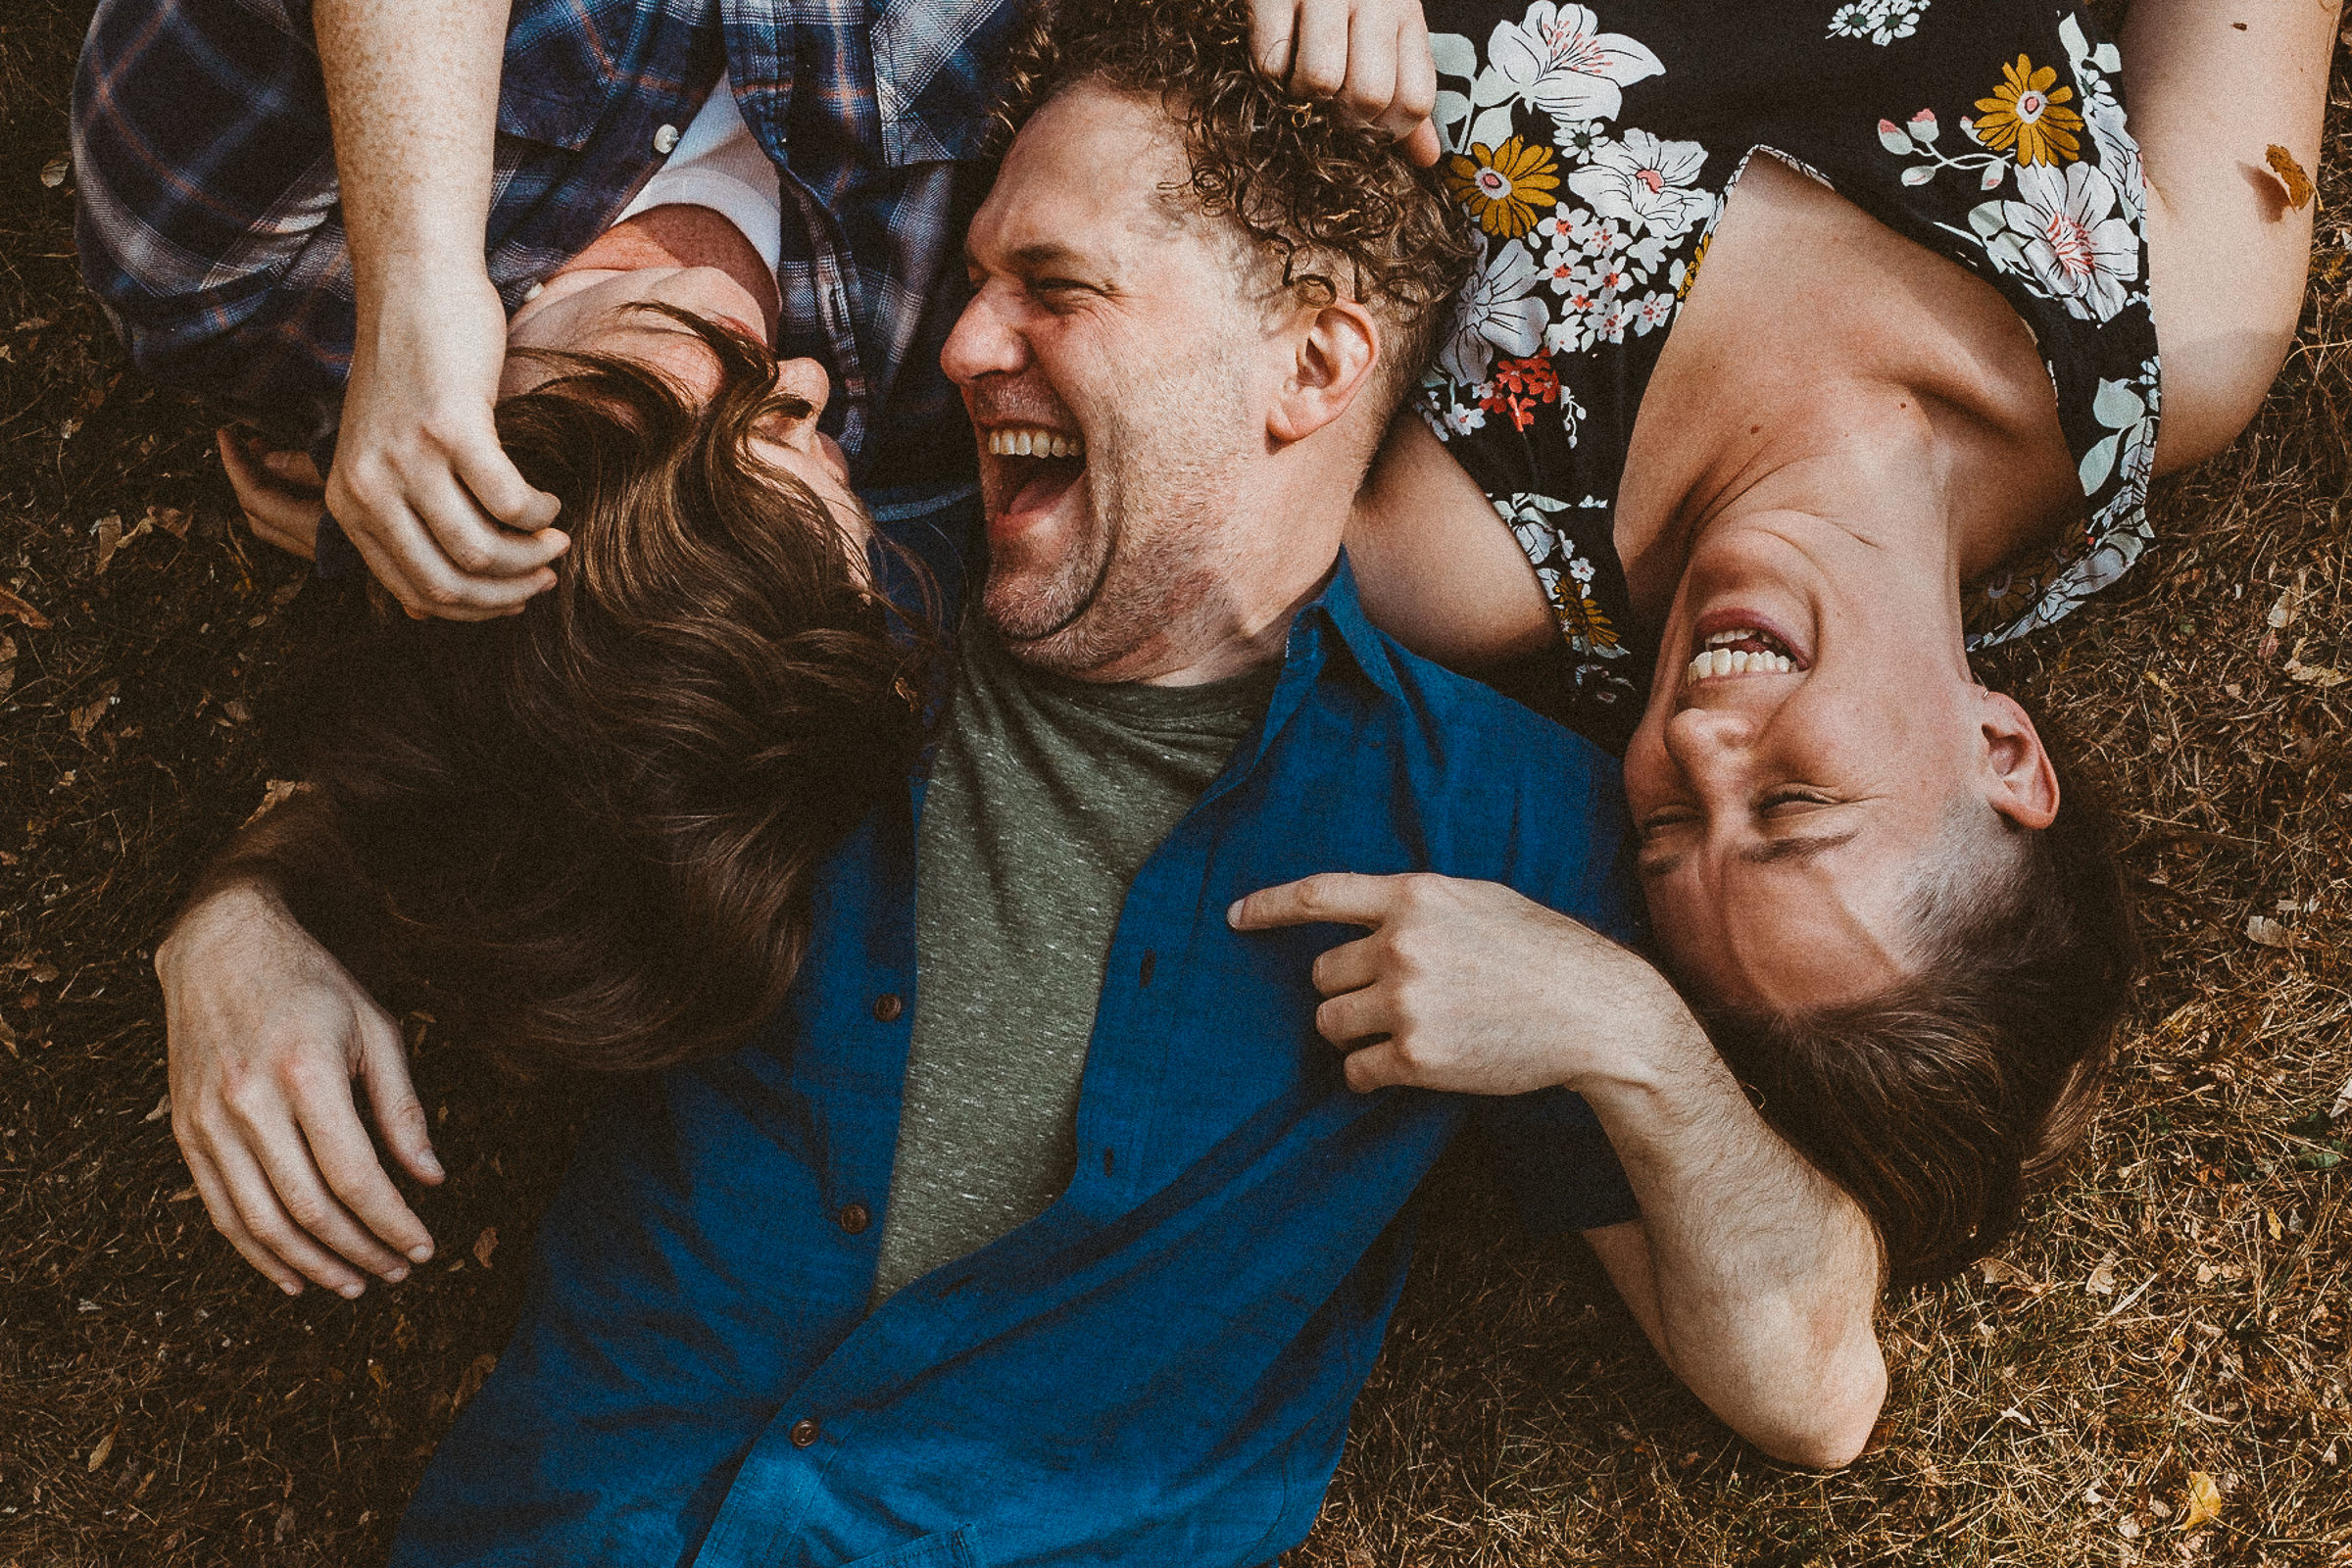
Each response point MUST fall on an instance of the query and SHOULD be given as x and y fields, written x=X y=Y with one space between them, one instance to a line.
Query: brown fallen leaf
x=2102 y=1277
x=11 y=604
x=484 y=1244
x=55 y=171
x=2005 y=1275
x=2265 y=932
x=2291 y=174
x=102 y=1453
x=2204 y=1501
x=274 y=793
x=2343 y=1100
x=163 y=1109
x=112 y=537
x=167 y=520
x=470 y=1383
x=2327 y=678
x=85 y=718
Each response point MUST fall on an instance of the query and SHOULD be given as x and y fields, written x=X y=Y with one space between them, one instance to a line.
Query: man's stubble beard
x=1151 y=569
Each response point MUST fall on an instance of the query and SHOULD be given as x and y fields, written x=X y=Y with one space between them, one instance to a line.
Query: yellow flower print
x=1588 y=626
x=1503 y=186
x=2024 y=113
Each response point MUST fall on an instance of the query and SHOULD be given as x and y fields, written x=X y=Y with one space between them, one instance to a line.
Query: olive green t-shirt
x=1046 y=796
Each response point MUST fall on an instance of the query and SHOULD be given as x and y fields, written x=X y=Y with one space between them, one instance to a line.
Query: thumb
x=399 y=1114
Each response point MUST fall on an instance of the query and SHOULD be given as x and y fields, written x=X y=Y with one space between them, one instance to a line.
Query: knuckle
x=1316 y=80
x=308 y=1212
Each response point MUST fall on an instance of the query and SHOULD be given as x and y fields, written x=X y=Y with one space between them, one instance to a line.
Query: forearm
x=1757 y=1277
x=294 y=863
x=2211 y=89
x=411 y=89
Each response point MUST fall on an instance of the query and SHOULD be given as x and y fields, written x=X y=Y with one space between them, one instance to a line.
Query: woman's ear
x=1331 y=367
x=2018 y=780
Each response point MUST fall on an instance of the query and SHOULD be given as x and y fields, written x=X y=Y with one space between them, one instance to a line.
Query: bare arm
x=267 y=1030
x=419 y=483
x=2211 y=85
x=1756 y=1278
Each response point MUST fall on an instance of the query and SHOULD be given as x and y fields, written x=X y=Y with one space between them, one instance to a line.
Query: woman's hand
x=1370 y=56
x=266 y=1032
x=419 y=483
x=278 y=490
x=1469 y=987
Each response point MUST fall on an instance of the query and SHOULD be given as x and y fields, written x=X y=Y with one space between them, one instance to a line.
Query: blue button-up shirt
x=209 y=223
x=1158 y=1370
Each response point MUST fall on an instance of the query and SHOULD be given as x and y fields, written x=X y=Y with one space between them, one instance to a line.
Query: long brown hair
x=589 y=830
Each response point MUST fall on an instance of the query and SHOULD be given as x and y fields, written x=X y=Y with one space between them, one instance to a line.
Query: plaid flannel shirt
x=209 y=224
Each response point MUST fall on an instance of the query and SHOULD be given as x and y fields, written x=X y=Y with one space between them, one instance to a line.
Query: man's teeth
x=1726 y=662
x=1013 y=442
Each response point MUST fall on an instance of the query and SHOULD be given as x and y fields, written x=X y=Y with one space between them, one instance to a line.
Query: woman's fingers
x=267 y=1221
x=280 y=512
x=1369 y=87
x=300 y=1148
x=1319 y=54
x=231 y=1225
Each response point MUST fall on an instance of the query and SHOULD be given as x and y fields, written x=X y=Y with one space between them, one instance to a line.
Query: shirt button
x=804 y=1432
x=665 y=139
x=854 y=1219
x=888 y=1006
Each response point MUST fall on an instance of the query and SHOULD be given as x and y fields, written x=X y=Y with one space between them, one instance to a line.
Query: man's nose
x=984 y=341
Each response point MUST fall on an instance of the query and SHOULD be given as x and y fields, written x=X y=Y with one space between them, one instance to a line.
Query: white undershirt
x=717 y=164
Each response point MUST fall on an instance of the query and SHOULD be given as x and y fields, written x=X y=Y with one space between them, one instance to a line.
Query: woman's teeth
x=1027 y=442
x=1717 y=657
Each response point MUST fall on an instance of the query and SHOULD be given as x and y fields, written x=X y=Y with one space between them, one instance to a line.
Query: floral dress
x=1594 y=148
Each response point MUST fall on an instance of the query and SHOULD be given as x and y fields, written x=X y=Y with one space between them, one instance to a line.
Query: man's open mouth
x=1037 y=465
x=1741 y=651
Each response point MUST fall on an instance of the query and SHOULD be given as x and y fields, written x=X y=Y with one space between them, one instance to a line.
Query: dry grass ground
x=2176 y=1306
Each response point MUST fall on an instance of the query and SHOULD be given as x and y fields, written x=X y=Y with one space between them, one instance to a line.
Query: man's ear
x=1333 y=365
x=2020 y=782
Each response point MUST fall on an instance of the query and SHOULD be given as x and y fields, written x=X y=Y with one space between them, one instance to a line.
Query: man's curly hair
x=1333 y=204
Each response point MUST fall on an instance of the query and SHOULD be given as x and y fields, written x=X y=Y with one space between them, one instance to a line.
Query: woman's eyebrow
x=1802 y=847
x=1797 y=848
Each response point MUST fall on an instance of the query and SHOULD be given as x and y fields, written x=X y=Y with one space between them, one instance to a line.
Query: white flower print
x=1647 y=182
x=1495 y=312
x=1881 y=22
x=2080 y=251
x=2118 y=153
x=1653 y=312
x=1559 y=59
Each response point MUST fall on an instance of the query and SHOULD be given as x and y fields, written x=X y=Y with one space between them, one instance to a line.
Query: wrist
x=226 y=908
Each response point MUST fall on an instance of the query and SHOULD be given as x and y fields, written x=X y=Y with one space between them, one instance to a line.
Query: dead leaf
x=2283 y=614
x=8 y=665
x=2102 y=1277
x=102 y=1453
x=2291 y=174
x=55 y=171
x=42 y=973
x=85 y=718
x=470 y=1383
x=163 y=1109
x=2327 y=678
x=237 y=711
x=484 y=1244
x=112 y=537
x=2265 y=932
x=167 y=520
x=2271 y=1217
x=2343 y=1100
x=183 y=1196
x=274 y=793
x=2005 y=1275
x=2204 y=1501
x=11 y=604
